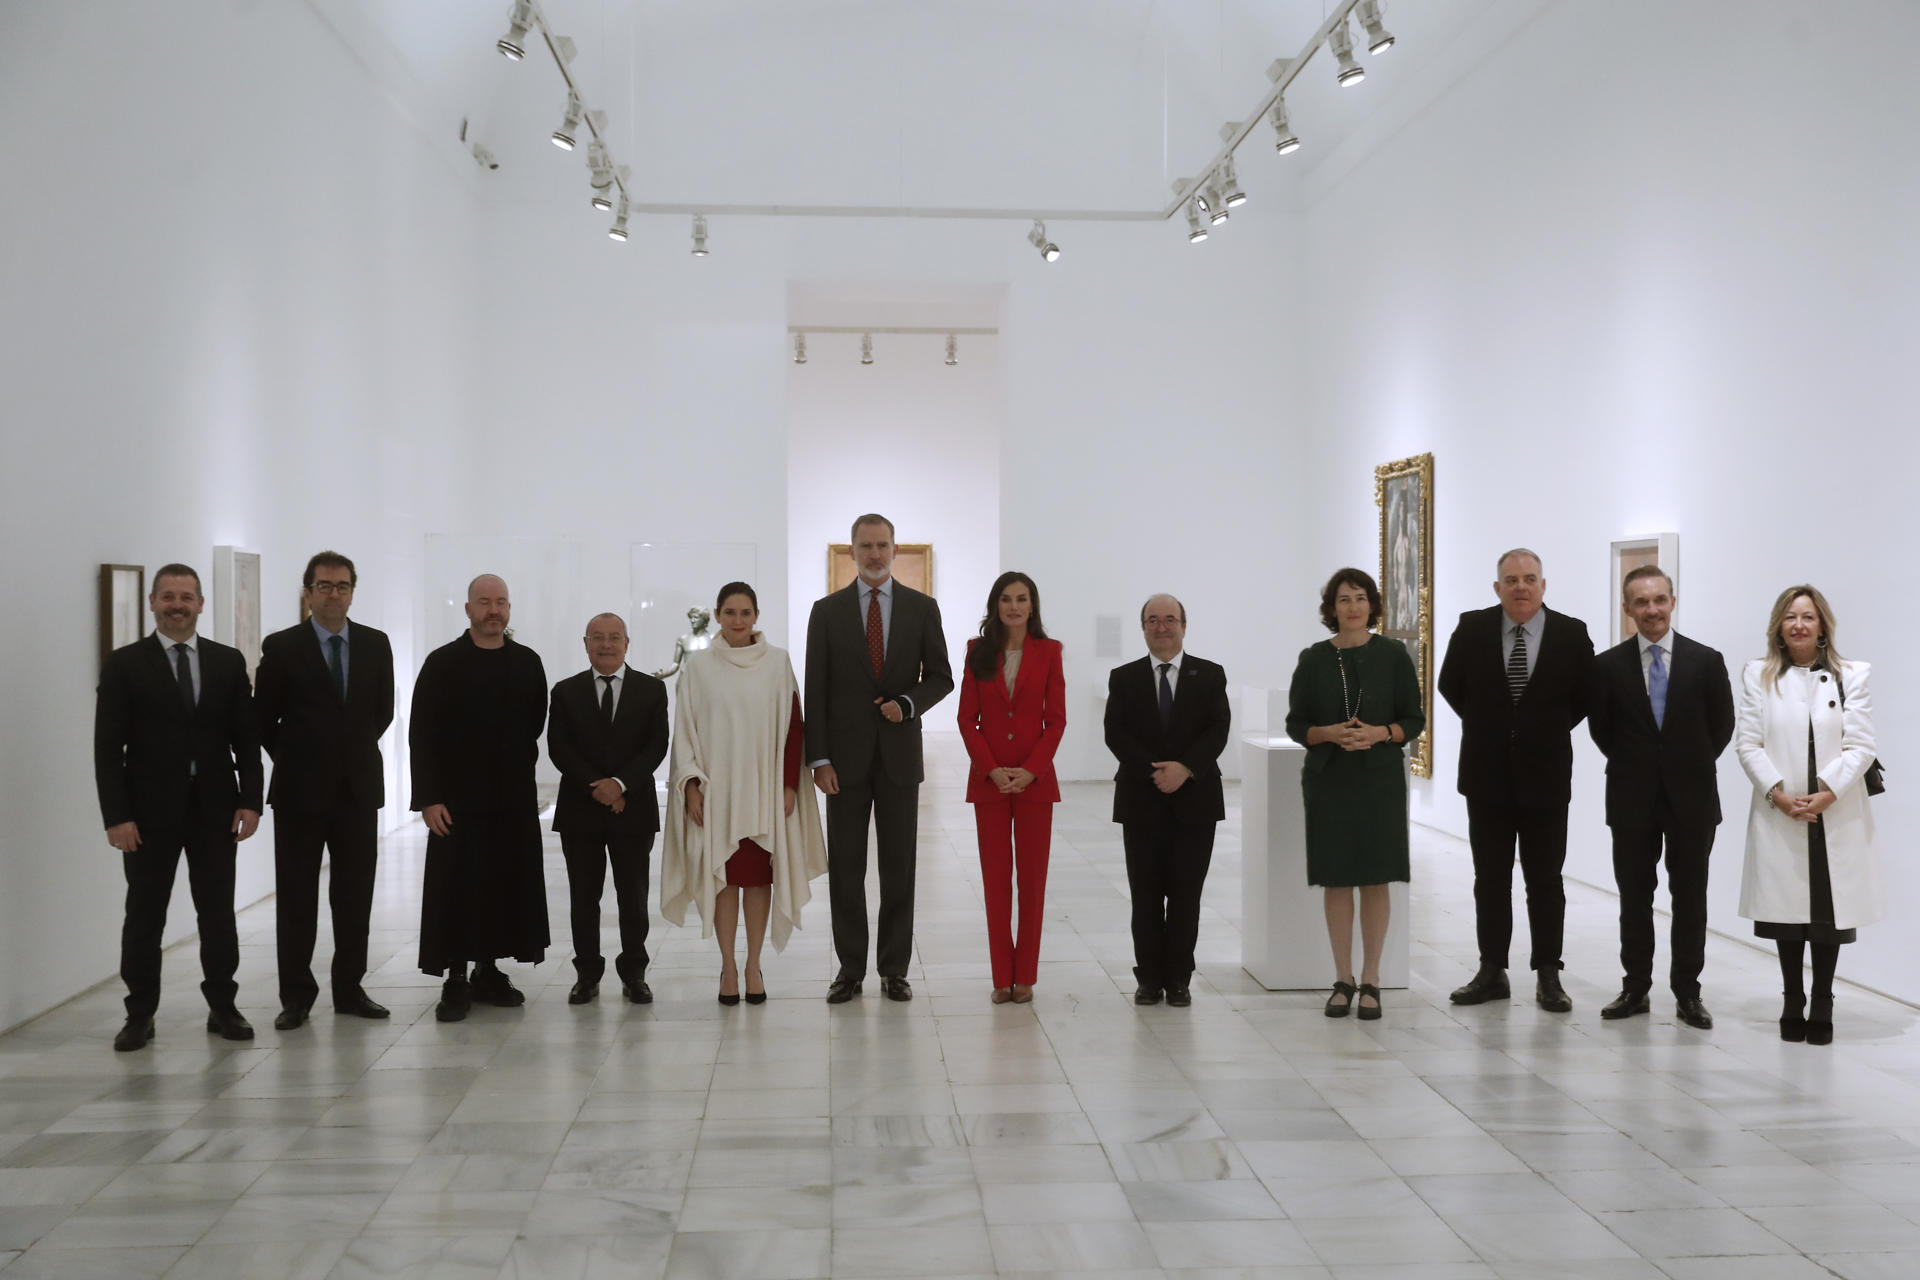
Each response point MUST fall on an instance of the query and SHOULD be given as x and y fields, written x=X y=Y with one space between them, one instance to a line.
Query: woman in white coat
x=1805 y=738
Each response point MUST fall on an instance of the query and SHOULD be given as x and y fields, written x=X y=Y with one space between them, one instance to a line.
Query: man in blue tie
x=1662 y=713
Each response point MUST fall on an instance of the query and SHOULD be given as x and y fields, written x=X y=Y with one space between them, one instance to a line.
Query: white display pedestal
x=1283 y=924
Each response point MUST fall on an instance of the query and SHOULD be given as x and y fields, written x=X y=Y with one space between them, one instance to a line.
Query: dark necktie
x=1657 y=687
x=876 y=635
x=1517 y=664
x=336 y=646
x=184 y=673
x=606 y=698
x=1166 y=696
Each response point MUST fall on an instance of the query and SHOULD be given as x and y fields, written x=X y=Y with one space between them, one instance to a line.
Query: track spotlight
x=799 y=348
x=1340 y=44
x=600 y=171
x=570 y=127
x=618 y=231
x=953 y=350
x=1038 y=239
x=1230 y=184
x=699 y=235
x=514 y=44
x=1284 y=140
x=1196 y=230
x=866 y=348
x=1379 y=39
x=1216 y=203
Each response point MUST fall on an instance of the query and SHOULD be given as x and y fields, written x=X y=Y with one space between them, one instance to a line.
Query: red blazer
x=1022 y=731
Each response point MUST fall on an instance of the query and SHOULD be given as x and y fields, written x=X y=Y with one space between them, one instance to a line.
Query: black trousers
x=350 y=833
x=1167 y=863
x=588 y=855
x=1636 y=869
x=894 y=809
x=1492 y=830
x=206 y=837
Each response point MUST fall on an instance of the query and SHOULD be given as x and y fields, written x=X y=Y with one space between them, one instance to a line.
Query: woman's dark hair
x=993 y=632
x=1350 y=578
x=735 y=589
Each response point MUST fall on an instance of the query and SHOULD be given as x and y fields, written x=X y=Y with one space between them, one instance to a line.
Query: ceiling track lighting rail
x=606 y=177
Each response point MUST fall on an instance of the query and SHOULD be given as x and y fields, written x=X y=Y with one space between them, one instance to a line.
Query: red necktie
x=876 y=637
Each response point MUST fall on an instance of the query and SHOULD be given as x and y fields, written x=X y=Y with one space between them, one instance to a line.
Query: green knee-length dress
x=1356 y=800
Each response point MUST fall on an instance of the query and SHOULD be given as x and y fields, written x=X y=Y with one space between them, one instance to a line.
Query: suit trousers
x=1167 y=862
x=1492 y=830
x=894 y=808
x=1016 y=833
x=349 y=833
x=588 y=856
x=206 y=837
x=1636 y=868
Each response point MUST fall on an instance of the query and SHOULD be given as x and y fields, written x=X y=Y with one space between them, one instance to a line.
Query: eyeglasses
x=326 y=588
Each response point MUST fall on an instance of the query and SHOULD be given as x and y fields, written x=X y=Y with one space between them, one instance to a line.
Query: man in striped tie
x=1518 y=676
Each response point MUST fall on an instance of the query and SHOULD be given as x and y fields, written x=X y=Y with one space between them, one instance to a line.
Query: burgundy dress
x=751 y=866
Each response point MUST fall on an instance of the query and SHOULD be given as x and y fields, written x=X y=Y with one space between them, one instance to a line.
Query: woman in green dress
x=1354 y=702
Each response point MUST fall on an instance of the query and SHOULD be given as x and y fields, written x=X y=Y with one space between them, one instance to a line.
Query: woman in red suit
x=1013 y=709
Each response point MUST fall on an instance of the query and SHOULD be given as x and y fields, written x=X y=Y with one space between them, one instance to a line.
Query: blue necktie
x=1166 y=696
x=1657 y=686
x=334 y=645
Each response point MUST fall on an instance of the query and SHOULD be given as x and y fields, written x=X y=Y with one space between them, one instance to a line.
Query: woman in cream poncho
x=741 y=821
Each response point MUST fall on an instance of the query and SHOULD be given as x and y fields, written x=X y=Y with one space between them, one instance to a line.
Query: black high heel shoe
x=760 y=996
x=1340 y=1010
x=1368 y=1012
x=1793 y=1023
x=1820 y=1020
x=730 y=1000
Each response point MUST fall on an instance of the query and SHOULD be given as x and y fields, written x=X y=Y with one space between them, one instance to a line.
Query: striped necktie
x=1517 y=664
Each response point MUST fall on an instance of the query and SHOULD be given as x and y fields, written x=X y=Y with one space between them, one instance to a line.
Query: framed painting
x=236 y=601
x=1629 y=554
x=123 y=606
x=1403 y=491
x=912 y=564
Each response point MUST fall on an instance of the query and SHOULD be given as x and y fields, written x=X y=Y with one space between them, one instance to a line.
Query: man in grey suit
x=876 y=664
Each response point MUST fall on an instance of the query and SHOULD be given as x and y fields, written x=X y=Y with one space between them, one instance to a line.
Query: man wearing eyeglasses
x=325 y=696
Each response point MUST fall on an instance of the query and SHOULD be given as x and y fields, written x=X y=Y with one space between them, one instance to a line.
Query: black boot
x=1793 y=1025
x=1820 y=1018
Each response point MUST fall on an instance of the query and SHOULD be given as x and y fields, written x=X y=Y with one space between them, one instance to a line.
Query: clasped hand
x=1010 y=781
x=1803 y=808
x=1170 y=775
x=1355 y=735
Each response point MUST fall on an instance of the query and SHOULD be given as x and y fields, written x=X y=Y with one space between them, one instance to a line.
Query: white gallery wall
x=1649 y=267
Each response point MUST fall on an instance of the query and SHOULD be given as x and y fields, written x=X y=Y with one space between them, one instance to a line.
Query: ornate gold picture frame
x=912 y=564
x=1403 y=491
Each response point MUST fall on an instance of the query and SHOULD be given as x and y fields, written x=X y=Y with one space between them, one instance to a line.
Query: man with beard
x=478 y=708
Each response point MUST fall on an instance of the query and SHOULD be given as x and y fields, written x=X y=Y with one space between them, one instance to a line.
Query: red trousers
x=1015 y=835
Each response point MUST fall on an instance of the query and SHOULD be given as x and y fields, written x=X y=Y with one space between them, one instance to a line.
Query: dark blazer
x=319 y=744
x=1517 y=753
x=147 y=744
x=1018 y=730
x=843 y=726
x=585 y=749
x=1643 y=759
x=1195 y=737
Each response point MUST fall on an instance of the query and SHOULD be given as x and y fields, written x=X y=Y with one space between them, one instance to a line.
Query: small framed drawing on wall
x=123 y=606
x=1403 y=491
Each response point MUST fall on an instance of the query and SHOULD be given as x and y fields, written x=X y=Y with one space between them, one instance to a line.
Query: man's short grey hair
x=1159 y=595
x=616 y=617
x=1500 y=565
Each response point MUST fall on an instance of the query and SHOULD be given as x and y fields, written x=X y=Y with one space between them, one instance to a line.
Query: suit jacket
x=843 y=726
x=585 y=749
x=1676 y=756
x=147 y=744
x=1518 y=753
x=319 y=744
x=1195 y=736
x=1018 y=730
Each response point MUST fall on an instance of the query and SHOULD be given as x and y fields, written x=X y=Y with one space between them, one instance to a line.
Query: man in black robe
x=478 y=708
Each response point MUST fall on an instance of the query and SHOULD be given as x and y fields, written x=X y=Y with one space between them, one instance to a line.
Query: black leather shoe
x=843 y=990
x=137 y=1034
x=1147 y=995
x=290 y=1019
x=358 y=1004
x=1367 y=1012
x=1487 y=984
x=1694 y=1013
x=637 y=992
x=1820 y=1020
x=456 y=999
x=1549 y=994
x=757 y=997
x=1179 y=997
x=896 y=988
x=1340 y=1003
x=495 y=988
x=1793 y=1019
x=583 y=991
x=229 y=1024
x=1626 y=1004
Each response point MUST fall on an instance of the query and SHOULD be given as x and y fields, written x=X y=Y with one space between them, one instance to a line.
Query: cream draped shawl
x=734 y=708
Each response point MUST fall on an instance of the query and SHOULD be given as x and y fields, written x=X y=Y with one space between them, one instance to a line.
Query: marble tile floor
x=1247 y=1136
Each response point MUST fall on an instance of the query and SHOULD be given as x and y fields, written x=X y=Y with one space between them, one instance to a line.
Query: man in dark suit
x=876 y=664
x=1662 y=713
x=606 y=734
x=176 y=760
x=325 y=697
x=1167 y=722
x=1517 y=676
